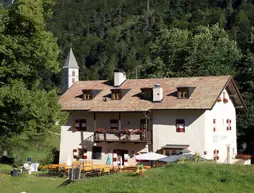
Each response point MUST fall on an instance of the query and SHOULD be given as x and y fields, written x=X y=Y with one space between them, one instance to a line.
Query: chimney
x=119 y=77
x=157 y=93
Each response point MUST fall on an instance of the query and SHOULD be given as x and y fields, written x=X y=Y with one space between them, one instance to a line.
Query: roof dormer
x=118 y=93
x=184 y=92
x=147 y=93
x=89 y=94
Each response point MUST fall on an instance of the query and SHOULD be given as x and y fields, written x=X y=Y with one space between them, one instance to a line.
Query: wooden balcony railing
x=121 y=136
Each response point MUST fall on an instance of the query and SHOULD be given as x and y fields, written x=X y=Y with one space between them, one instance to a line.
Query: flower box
x=111 y=136
x=243 y=156
x=100 y=136
x=247 y=162
x=134 y=137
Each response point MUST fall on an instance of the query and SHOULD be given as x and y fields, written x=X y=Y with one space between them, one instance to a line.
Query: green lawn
x=187 y=178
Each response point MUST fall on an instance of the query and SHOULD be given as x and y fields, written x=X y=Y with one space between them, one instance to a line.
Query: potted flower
x=142 y=133
x=100 y=133
x=219 y=99
x=114 y=131
x=245 y=157
x=126 y=131
x=225 y=100
x=100 y=130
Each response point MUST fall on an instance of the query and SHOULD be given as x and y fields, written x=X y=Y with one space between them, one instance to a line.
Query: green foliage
x=27 y=53
x=189 y=177
x=203 y=51
x=179 y=38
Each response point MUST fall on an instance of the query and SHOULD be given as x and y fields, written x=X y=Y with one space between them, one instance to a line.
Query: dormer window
x=116 y=94
x=147 y=93
x=87 y=95
x=184 y=92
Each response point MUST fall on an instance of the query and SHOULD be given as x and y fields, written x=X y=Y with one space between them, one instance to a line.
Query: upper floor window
x=147 y=93
x=73 y=73
x=180 y=125
x=73 y=80
x=142 y=123
x=87 y=95
x=80 y=124
x=113 y=124
x=116 y=94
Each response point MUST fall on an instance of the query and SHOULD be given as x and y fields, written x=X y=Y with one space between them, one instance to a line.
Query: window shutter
x=83 y=124
x=180 y=125
x=77 y=122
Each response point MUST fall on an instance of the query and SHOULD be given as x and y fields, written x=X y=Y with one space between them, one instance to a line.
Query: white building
x=164 y=115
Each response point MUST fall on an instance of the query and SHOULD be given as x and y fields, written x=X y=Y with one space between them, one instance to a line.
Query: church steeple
x=70 y=61
x=70 y=71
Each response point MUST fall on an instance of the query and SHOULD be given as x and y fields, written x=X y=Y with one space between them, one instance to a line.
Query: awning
x=175 y=146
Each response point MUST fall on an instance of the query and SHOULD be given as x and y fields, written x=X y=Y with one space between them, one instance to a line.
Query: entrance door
x=120 y=155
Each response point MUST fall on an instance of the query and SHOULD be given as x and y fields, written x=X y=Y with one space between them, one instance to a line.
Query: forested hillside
x=159 y=38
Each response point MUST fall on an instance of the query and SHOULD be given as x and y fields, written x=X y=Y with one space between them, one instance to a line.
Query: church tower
x=70 y=71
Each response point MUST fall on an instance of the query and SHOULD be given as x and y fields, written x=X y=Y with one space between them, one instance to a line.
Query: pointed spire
x=70 y=61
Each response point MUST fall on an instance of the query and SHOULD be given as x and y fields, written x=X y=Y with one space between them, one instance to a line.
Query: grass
x=176 y=178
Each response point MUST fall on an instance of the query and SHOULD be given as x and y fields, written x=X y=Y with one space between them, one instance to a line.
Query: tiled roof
x=207 y=90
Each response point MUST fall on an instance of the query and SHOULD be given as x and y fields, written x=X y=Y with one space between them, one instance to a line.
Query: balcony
x=123 y=136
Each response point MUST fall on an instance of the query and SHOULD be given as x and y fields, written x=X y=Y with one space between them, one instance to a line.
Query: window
x=87 y=95
x=113 y=124
x=116 y=94
x=96 y=152
x=147 y=93
x=80 y=124
x=180 y=125
x=142 y=124
x=73 y=80
x=182 y=93
x=73 y=73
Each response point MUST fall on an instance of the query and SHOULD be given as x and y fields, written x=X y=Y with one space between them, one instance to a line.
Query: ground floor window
x=96 y=152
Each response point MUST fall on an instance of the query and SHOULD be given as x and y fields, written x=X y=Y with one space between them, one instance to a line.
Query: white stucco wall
x=67 y=77
x=84 y=139
x=164 y=129
x=221 y=138
x=199 y=134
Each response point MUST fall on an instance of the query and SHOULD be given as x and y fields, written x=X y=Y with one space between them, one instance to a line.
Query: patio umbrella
x=108 y=162
x=68 y=160
x=151 y=156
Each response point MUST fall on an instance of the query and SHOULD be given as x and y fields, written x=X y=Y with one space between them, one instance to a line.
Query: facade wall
x=71 y=139
x=199 y=132
x=221 y=138
x=164 y=129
